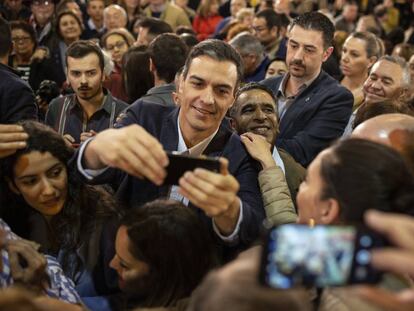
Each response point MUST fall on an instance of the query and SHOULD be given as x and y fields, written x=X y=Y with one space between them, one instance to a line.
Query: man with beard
x=313 y=108
x=92 y=108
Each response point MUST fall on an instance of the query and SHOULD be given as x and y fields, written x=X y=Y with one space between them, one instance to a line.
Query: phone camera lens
x=363 y=257
x=365 y=241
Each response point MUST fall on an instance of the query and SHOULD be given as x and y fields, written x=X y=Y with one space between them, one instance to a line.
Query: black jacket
x=17 y=101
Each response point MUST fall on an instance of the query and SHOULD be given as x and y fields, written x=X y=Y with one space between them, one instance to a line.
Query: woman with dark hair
x=42 y=200
x=355 y=175
x=136 y=75
x=163 y=251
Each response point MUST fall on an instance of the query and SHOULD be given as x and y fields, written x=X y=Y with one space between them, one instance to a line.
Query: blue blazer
x=317 y=116
x=161 y=122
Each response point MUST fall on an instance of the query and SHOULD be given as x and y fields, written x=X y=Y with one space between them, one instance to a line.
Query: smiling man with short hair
x=229 y=201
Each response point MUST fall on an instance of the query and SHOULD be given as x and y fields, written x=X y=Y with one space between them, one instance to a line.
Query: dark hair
x=184 y=29
x=74 y=223
x=189 y=39
x=217 y=50
x=175 y=244
x=168 y=53
x=27 y=28
x=370 y=110
x=248 y=87
x=136 y=76
x=273 y=19
x=155 y=26
x=318 y=22
x=362 y=174
x=5 y=37
x=64 y=13
x=82 y=48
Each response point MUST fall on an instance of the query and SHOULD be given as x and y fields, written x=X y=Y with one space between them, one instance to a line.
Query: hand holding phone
x=298 y=255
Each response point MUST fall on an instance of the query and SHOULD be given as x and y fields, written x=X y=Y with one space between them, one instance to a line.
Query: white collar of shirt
x=278 y=159
x=182 y=147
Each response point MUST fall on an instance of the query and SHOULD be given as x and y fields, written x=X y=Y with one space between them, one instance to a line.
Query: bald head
x=379 y=128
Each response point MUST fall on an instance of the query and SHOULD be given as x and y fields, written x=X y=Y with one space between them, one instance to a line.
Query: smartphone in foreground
x=179 y=164
x=320 y=256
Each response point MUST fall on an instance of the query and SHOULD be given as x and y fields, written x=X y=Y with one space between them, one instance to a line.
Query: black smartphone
x=319 y=256
x=179 y=164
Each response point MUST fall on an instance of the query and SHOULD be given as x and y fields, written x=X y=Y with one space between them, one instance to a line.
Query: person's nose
x=298 y=54
x=208 y=95
x=345 y=58
x=47 y=187
x=84 y=80
x=259 y=115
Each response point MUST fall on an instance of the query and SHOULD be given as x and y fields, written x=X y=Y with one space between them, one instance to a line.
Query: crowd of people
x=307 y=105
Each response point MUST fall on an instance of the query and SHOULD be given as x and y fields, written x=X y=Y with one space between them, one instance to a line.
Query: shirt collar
x=107 y=102
x=285 y=79
x=278 y=159
x=196 y=150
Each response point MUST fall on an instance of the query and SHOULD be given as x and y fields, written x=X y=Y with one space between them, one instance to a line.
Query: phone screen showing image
x=297 y=255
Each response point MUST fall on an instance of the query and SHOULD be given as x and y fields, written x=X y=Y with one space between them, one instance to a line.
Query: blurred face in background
x=116 y=46
x=95 y=9
x=43 y=11
x=23 y=44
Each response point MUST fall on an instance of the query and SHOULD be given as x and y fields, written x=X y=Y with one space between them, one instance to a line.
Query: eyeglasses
x=119 y=45
x=259 y=28
x=45 y=3
x=21 y=39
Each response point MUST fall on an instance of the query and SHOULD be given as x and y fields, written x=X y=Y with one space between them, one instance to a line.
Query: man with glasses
x=43 y=11
x=270 y=28
x=92 y=108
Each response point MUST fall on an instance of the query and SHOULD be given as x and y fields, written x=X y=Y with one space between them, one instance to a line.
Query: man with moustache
x=313 y=108
x=92 y=108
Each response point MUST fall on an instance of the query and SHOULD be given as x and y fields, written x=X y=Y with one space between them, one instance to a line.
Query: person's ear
x=372 y=61
x=274 y=31
x=327 y=53
x=404 y=94
x=12 y=186
x=151 y=66
x=329 y=211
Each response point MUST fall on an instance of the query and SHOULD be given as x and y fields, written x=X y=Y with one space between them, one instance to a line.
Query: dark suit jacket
x=17 y=101
x=317 y=116
x=161 y=122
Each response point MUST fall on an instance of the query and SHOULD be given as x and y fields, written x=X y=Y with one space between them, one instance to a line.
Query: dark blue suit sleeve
x=19 y=104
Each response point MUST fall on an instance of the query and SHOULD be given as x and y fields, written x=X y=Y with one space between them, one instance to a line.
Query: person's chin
x=374 y=99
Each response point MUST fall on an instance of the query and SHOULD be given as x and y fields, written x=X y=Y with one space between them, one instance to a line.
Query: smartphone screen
x=320 y=256
x=179 y=164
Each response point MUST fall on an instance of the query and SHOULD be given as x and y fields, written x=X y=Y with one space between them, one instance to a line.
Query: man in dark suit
x=228 y=201
x=313 y=108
